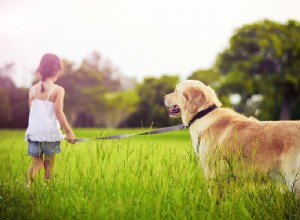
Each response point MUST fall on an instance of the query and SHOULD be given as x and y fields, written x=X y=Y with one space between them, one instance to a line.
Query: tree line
x=258 y=74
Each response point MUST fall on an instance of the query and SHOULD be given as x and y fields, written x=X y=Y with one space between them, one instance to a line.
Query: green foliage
x=264 y=59
x=83 y=95
x=119 y=106
x=261 y=66
x=151 y=109
x=14 y=104
x=20 y=108
x=149 y=177
x=86 y=88
x=5 y=109
x=211 y=77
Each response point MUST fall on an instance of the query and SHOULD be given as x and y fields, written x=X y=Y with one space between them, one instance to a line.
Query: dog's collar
x=202 y=113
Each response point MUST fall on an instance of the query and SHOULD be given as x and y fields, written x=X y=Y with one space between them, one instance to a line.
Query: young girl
x=45 y=118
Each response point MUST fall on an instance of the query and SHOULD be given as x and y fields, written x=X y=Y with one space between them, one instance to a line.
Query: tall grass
x=152 y=177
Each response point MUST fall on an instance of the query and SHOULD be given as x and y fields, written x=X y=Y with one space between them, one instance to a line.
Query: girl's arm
x=59 y=106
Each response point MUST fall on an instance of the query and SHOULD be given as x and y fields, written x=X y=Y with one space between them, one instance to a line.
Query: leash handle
x=121 y=136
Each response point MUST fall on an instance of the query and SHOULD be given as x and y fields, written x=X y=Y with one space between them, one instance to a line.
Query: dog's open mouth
x=174 y=110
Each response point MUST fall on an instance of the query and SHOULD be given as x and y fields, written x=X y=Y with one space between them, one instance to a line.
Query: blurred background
x=121 y=57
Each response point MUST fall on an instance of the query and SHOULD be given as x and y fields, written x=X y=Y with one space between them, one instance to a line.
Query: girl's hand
x=71 y=137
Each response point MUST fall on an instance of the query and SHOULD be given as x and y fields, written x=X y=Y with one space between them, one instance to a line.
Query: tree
x=7 y=88
x=211 y=77
x=93 y=91
x=5 y=109
x=151 y=109
x=84 y=90
x=86 y=102
x=119 y=106
x=19 y=108
x=14 y=107
x=263 y=59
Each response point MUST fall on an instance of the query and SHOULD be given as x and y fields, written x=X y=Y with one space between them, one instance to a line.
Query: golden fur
x=269 y=147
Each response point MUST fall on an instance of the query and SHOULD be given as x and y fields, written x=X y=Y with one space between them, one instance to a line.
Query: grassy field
x=144 y=177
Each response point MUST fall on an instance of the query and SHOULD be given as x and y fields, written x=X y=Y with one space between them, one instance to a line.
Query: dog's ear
x=195 y=98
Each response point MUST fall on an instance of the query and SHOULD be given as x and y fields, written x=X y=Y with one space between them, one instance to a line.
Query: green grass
x=144 y=177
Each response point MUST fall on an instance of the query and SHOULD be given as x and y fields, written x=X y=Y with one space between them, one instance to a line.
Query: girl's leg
x=49 y=167
x=37 y=164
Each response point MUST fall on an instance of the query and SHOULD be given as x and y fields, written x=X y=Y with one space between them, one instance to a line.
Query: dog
x=221 y=134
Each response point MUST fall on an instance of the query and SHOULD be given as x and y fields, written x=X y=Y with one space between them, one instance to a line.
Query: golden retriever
x=220 y=134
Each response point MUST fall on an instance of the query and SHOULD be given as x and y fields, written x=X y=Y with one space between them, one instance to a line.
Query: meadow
x=142 y=177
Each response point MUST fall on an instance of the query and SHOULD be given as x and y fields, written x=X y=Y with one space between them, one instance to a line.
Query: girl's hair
x=49 y=65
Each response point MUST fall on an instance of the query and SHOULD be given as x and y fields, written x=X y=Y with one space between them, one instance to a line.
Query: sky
x=141 y=38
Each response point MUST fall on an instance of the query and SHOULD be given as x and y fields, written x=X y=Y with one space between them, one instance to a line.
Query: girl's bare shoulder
x=59 y=89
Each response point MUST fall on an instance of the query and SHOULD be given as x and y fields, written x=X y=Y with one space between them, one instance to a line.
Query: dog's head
x=190 y=97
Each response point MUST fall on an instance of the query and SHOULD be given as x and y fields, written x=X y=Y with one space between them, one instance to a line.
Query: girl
x=45 y=118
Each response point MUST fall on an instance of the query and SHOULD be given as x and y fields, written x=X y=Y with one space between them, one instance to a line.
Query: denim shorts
x=39 y=148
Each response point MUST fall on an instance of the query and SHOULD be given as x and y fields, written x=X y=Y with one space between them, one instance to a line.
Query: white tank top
x=43 y=124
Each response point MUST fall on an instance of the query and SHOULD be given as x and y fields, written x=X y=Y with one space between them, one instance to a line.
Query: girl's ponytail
x=42 y=88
